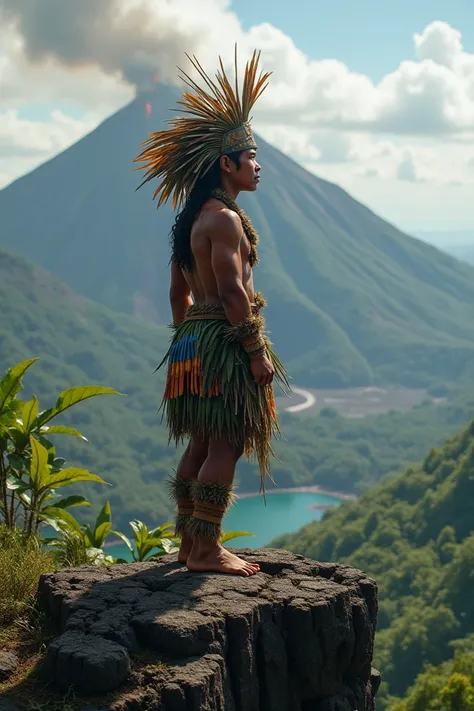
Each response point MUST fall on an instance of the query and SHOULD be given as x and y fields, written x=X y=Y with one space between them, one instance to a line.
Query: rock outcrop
x=296 y=637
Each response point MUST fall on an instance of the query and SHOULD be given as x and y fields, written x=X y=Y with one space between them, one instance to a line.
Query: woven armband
x=250 y=334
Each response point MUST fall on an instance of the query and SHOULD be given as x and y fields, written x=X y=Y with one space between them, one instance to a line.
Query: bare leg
x=188 y=468
x=207 y=554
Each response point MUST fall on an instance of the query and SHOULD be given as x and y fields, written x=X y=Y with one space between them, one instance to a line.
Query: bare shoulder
x=222 y=223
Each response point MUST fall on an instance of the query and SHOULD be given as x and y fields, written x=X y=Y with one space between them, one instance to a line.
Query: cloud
x=127 y=41
x=86 y=60
x=441 y=43
x=434 y=96
x=319 y=146
x=369 y=173
x=24 y=143
x=22 y=137
x=132 y=38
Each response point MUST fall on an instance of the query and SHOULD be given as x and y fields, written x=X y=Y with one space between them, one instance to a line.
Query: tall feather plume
x=180 y=155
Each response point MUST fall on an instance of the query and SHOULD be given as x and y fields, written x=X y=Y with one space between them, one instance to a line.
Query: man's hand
x=262 y=370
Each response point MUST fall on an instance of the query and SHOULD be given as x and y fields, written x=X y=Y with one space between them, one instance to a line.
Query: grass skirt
x=210 y=390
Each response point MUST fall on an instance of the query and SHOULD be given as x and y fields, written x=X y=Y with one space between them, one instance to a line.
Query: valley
x=355 y=402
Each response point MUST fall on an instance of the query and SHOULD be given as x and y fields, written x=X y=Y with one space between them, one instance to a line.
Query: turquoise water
x=284 y=513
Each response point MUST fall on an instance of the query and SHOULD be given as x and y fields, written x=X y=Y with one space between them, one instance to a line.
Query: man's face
x=247 y=177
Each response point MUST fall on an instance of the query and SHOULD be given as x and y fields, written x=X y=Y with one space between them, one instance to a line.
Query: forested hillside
x=415 y=535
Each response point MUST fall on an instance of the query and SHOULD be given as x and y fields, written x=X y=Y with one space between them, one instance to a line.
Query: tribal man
x=221 y=365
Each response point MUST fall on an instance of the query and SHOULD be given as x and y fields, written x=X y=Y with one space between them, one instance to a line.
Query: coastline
x=312 y=489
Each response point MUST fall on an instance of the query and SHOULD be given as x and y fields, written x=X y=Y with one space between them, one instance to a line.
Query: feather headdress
x=216 y=122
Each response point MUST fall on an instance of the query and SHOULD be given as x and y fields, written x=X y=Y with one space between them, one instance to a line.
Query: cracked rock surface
x=296 y=637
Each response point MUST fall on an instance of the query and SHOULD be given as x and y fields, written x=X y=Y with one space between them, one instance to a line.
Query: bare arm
x=180 y=294
x=226 y=235
x=226 y=260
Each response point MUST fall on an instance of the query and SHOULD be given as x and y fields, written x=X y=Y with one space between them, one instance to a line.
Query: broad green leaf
x=7 y=417
x=16 y=462
x=25 y=498
x=19 y=438
x=101 y=533
x=124 y=538
x=98 y=557
x=170 y=545
x=149 y=544
x=38 y=464
x=57 y=463
x=71 y=501
x=136 y=525
x=29 y=413
x=63 y=518
x=51 y=522
x=230 y=535
x=105 y=515
x=162 y=530
x=10 y=384
x=71 y=475
x=62 y=429
x=71 y=397
x=51 y=541
x=89 y=535
x=16 y=483
x=47 y=444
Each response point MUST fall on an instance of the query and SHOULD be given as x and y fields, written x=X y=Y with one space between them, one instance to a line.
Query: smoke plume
x=131 y=38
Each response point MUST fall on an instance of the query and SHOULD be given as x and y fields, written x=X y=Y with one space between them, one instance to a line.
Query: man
x=220 y=363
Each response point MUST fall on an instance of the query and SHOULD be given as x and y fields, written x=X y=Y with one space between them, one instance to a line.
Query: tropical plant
x=149 y=545
x=231 y=535
x=30 y=471
x=78 y=544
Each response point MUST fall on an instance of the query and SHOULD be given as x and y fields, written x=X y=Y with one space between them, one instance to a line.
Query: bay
x=284 y=512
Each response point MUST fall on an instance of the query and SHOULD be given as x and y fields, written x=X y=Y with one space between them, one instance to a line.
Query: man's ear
x=226 y=164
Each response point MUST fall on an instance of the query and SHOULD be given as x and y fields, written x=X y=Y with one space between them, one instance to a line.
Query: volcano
x=352 y=300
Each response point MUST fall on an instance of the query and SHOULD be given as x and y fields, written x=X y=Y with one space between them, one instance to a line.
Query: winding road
x=309 y=401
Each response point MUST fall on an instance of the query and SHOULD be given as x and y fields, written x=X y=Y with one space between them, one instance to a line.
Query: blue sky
x=370 y=36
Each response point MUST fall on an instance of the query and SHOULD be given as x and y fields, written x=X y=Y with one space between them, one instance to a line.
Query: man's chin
x=251 y=188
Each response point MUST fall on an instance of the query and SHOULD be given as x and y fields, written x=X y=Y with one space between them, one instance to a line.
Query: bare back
x=205 y=237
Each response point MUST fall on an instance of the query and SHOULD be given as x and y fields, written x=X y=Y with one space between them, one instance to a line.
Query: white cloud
x=23 y=137
x=415 y=124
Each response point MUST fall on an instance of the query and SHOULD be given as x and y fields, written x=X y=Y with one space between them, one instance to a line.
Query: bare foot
x=185 y=548
x=205 y=557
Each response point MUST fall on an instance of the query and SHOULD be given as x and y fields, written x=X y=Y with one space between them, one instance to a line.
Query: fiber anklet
x=211 y=501
x=180 y=491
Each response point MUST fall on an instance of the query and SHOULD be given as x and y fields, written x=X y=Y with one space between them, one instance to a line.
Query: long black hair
x=180 y=235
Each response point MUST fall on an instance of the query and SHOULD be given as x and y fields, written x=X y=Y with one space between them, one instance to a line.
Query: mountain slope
x=415 y=536
x=83 y=343
x=352 y=299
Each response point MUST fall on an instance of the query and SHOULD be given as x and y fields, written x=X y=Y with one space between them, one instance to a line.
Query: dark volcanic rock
x=9 y=663
x=296 y=637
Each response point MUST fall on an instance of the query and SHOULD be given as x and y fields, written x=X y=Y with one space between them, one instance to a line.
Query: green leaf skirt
x=210 y=390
